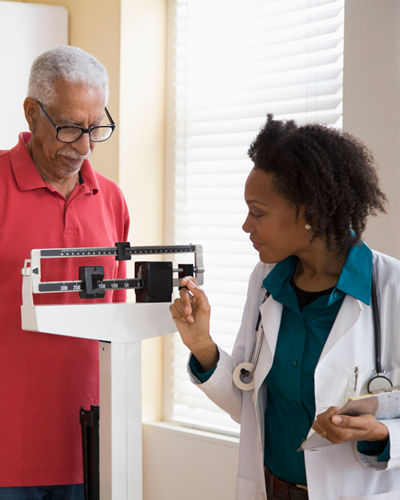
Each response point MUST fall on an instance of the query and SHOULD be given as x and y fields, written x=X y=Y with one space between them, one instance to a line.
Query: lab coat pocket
x=245 y=489
x=394 y=375
x=392 y=495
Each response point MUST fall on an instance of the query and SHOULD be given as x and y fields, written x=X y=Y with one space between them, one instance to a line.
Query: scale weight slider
x=157 y=281
x=90 y=276
x=185 y=270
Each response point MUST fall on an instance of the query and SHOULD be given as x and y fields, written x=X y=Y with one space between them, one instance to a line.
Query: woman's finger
x=177 y=314
x=198 y=294
x=185 y=295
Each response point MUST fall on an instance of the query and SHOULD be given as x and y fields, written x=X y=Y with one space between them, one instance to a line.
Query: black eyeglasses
x=72 y=133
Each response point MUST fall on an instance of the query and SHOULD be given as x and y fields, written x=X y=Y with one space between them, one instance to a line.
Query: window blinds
x=231 y=63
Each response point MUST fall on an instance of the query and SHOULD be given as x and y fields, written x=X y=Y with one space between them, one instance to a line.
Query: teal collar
x=355 y=278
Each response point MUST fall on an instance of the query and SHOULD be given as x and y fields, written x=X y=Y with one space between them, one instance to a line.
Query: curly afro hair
x=327 y=172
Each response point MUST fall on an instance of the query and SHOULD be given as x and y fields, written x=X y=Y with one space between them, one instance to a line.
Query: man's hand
x=340 y=428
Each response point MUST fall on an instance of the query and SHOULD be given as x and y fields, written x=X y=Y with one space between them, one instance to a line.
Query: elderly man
x=51 y=197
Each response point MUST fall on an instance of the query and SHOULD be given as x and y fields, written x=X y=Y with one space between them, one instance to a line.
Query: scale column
x=120 y=421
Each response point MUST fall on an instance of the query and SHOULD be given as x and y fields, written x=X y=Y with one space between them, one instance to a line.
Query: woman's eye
x=255 y=215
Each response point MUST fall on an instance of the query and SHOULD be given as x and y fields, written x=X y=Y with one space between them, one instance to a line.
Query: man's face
x=75 y=104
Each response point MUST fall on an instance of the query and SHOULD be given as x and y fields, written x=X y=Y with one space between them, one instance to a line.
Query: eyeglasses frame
x=111 y=125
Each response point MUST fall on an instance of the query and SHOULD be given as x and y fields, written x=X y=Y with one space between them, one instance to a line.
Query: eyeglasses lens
x=101 y=133
x=72 y=134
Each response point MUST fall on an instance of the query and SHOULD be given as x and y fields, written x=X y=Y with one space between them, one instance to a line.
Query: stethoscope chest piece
x=379 y=383
x=243 y=376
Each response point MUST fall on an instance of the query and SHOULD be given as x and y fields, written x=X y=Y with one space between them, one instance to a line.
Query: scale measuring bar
x=92 y=278
x=124 y=250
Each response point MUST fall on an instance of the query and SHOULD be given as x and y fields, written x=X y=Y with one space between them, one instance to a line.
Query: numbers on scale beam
x=126 y=250
x=77 y=286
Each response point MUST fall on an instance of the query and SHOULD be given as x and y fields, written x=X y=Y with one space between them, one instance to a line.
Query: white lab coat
x=336 y=472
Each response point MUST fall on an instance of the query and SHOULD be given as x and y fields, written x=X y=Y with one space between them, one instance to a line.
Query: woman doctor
x=308 y=308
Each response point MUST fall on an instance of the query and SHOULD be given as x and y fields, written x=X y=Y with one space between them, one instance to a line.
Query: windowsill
x=213 y=437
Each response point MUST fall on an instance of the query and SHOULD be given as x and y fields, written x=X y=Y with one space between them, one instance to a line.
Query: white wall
x=372 y=102
x=26 y=30
x=181 y=464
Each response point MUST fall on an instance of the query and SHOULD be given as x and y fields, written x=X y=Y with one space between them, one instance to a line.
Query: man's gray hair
x=67 y=63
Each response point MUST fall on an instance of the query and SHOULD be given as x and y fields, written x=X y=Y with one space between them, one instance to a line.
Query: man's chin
x=71 y=166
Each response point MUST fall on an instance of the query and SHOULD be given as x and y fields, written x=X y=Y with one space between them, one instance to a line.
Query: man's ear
x=31 y=113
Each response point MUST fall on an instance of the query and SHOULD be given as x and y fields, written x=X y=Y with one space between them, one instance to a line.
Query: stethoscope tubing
x=379 y=380
x=377 y=326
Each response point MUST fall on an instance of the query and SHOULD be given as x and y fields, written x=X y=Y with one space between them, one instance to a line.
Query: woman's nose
x=246 y=225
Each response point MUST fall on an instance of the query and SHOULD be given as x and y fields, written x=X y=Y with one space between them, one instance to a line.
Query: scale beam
x=113 y=251
x=122 y=251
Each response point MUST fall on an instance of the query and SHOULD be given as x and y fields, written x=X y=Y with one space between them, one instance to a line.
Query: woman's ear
x=31 y=113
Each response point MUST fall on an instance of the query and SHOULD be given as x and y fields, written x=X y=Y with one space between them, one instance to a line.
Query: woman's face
x=274 y=228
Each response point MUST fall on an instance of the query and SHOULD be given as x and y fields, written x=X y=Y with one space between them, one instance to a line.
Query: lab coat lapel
x=348 y=315
x=271 y=313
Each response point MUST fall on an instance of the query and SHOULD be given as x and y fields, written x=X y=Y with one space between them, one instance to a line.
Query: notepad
x=383 y=406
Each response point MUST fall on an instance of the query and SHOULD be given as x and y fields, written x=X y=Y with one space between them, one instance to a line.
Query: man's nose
x=83 y=145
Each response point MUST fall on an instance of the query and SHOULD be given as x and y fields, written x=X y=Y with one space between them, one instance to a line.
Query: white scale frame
x=120 y=328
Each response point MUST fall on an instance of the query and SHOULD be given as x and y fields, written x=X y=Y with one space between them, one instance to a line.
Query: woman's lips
x=257 y=246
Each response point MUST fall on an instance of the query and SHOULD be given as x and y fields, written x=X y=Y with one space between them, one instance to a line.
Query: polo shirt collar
x=89 y=177
x=27 y=175
x=355 y=278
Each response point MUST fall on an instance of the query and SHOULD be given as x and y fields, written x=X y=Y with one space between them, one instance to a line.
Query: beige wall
x=371 y=102
x=142 y=119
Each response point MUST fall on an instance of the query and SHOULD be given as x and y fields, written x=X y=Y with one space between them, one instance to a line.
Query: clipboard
x=384 y=405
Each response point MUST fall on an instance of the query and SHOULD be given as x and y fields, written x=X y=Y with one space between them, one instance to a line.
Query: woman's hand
x=191 y=313
x=339 y=428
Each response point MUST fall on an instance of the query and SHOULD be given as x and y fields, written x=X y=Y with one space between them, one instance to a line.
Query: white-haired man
x=51 y=197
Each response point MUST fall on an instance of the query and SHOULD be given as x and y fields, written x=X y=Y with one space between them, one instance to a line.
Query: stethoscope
x=243 y=374
x=379 y=382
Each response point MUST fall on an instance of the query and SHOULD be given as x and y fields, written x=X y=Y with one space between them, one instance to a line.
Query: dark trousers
x=58 y=492
x=282 y=490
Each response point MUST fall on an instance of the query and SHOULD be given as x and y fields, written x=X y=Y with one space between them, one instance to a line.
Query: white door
x=26 y=30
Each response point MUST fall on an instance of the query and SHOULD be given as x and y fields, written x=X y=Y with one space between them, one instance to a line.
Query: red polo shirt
x=45 y=379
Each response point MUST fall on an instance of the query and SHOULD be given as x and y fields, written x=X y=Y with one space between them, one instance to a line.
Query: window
x=230 y=63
